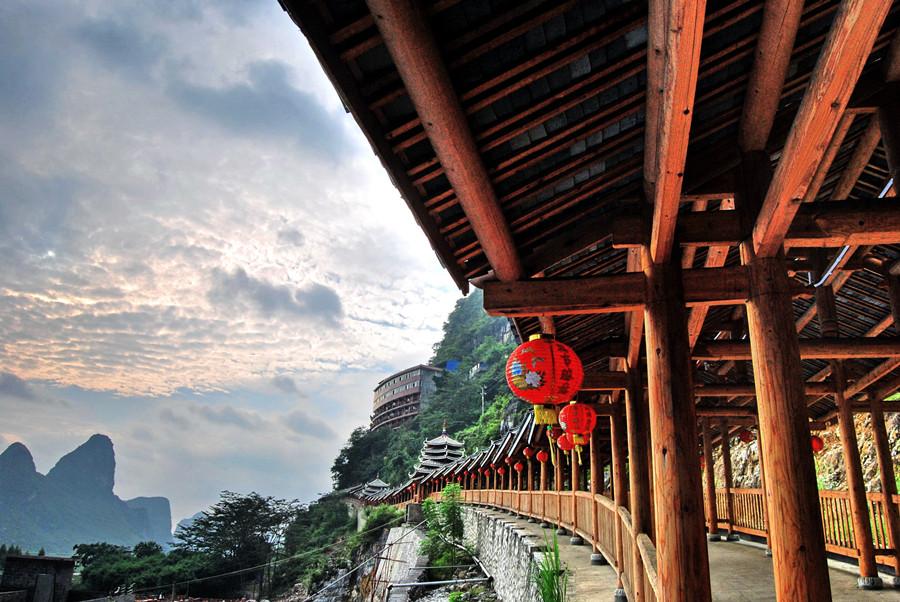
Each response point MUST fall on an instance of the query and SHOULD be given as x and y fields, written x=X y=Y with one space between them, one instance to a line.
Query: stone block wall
x=509 y=554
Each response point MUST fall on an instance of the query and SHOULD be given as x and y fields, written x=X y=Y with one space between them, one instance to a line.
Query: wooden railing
x=557 y=508
x=640 y=569
x=750 y=517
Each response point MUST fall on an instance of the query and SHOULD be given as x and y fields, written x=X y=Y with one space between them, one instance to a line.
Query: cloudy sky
x=201 y=256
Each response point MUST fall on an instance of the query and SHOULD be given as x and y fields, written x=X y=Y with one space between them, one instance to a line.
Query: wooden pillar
x=595 y=489
x=558 y=485
x=543 y=485
x=712 y=519
x=883 y=447
x=638 y=472
x=859 y=507
x=573 y=502
x=729 y=479
x=618 y=445
x=682 y=557
x=530 y=468
x=795 y=521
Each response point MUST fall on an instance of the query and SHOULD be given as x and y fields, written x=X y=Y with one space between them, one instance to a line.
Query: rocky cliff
x=74 y=502
x=829 y=462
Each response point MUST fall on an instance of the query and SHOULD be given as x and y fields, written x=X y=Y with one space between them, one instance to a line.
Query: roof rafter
x=675 y=33
x=840 y=64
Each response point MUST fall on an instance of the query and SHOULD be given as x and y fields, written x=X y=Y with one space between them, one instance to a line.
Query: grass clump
x=550 y=576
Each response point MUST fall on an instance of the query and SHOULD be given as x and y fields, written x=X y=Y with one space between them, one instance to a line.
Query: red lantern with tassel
x=544 y=372
x=501 y=471
x=519 y=467
x=528 y=452
x=508 y=460
x=578 y=420
x=817 y=443
x=542 y=456
x=565 y=443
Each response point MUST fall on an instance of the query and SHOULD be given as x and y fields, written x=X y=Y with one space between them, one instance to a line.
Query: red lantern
x=519 y=467
x=745 y=436
x=544 y=371
x=578 y=419
x=566 y=443
x=501 y=471
x=459 y=479
x=486 y=471
x=542 y=456
x=528 y=452
x=817 y=443
x=554 y=432
x=509 y=460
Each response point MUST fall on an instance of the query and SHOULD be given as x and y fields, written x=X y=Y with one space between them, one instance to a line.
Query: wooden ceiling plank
x=840 y=64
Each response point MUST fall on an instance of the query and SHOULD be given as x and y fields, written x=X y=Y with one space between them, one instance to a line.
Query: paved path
x=740 y=572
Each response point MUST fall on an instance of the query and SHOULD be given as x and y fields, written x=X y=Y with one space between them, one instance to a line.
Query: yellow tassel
x=578 y=451
x=552 y=454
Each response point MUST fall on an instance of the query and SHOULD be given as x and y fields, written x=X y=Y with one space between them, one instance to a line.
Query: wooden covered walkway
x=698 y=197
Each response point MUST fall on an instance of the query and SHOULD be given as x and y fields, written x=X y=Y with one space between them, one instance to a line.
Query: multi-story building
x=399 y=396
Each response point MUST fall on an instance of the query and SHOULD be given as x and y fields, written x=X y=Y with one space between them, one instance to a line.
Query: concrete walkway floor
x=739 y=572
x=742 y=572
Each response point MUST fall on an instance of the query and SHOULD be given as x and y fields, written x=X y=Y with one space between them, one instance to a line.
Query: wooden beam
x=675 y=33
x=828 y=224
x=606 y=294
x=840 y=63
x=418 y=60
x=822 y=349
x=865 y=146
x=748 y=390
x=774 y=46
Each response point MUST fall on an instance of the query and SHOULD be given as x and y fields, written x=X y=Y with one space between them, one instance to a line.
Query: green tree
x=239 y=529
x=443 y=541
x=146 y=548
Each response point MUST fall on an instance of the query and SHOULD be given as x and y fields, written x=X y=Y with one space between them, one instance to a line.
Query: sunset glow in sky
x=202 y=257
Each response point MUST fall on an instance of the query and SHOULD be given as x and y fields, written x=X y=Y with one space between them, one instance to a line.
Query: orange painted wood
x=840 y=63
x=683 y=561
x=865 y=146
x=411 y=44
x=795 y=527
x=675 y=33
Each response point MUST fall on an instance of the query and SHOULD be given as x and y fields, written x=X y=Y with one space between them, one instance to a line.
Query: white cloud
x=187 y=215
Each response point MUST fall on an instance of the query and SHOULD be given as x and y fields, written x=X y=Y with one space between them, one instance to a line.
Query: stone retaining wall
x=509 y=554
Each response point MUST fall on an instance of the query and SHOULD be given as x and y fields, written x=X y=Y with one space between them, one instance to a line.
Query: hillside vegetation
x=473 y=338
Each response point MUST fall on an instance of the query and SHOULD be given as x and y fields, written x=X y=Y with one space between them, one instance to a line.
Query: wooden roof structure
x=630 y=175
